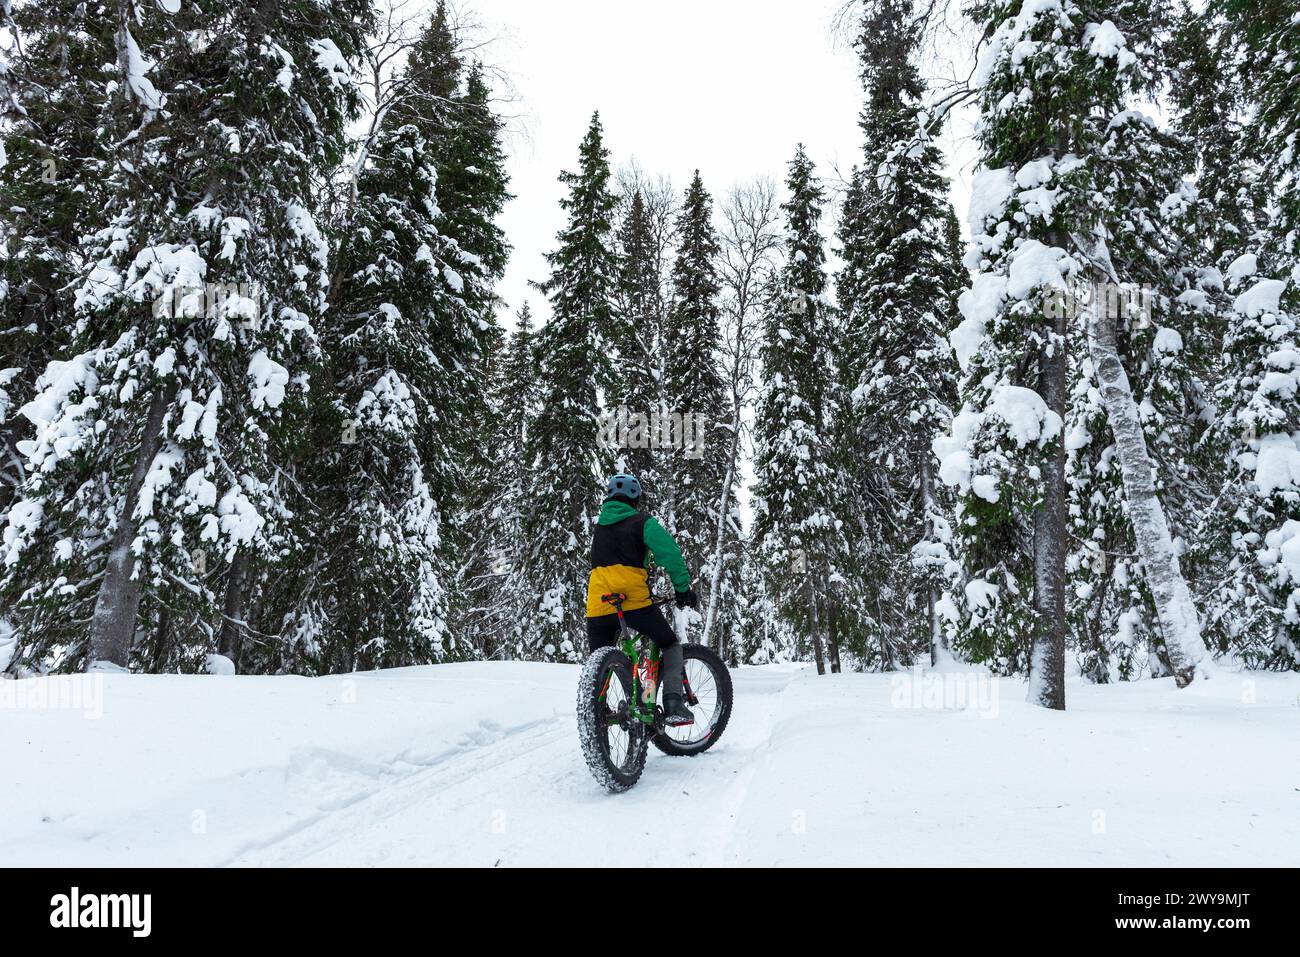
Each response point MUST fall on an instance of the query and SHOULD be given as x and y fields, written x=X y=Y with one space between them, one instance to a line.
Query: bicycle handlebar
x=661 y=600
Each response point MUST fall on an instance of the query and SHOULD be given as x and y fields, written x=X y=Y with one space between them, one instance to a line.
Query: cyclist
x=623 y=544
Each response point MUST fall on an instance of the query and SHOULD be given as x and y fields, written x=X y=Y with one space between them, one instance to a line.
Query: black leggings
x=649 y=621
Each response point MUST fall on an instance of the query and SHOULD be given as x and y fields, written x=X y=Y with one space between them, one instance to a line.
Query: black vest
x=622 y=543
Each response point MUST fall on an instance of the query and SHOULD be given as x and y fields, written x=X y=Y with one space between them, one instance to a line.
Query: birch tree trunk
x=719 y=546
x=112 y=626
x=1179 y=623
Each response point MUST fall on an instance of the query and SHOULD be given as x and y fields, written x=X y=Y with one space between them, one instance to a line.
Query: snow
x=1035 y=173
x=59 y=381
x=269 y=380
x=1260 y=298
x=332 y=61
x=1027 y=417
x=159 y=476
x=1283 y=548
x=1036 y=266
x=7 y=644
x=954 y=461
x=233 y=229
x=136 y=68
x=303 y=225
x=478 y=764
x=986 y=487
x=991 y=190
x=1277 y=464
x=218 y=665
x=166 y=362
x=1245 y=265
x=240 y=521
x=1167 y=341
x=1106 y=42
x=981 y=594
x=979 y=305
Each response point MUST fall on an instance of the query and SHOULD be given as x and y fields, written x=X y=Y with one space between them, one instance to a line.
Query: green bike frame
x=642 y=710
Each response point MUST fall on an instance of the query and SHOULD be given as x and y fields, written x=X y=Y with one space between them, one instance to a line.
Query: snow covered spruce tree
x=1257 y=526
x=565 y=459
x=495 y=581
x=472 y=190
x=1268 y=32
x=796 y=532
x=638 y=387
x=698 y=466
x=155 y=500
x=51 y=94
x=1053 y=81
x=372 y=590
x=897 y=299
x=1208 y=87
x=1253 y=607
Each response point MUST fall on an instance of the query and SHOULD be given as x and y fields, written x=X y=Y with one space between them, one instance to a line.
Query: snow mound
x=218 y=665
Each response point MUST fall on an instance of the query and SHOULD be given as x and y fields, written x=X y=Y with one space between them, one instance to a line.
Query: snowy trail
x=478 y=764
x=528 y=799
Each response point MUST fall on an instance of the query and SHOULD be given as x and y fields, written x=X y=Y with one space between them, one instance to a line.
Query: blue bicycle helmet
x=623 y=484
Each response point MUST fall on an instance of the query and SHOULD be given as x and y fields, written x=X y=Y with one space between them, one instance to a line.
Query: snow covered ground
x=478 y=764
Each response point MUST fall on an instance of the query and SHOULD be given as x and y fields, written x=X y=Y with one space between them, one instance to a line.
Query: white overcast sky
x=728 y=86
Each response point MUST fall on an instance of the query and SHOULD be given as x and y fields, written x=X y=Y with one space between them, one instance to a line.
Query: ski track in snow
x=478 y=764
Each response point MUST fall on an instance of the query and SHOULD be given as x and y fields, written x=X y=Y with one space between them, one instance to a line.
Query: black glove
x=687 y=599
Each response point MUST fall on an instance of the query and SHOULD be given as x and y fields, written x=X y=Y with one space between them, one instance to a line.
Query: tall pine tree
x=565 y=459
x=698 y=466
x=897 y=298
x=157 y=475
x=796 y=532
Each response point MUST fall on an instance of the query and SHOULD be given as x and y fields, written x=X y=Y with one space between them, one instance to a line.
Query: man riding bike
x=623 y=544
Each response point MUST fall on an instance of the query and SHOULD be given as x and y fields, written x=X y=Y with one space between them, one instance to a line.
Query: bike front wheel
x=613 y=741
x=706 y=685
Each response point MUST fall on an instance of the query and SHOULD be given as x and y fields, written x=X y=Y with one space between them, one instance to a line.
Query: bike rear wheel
x=613 y=742
x=706 y=684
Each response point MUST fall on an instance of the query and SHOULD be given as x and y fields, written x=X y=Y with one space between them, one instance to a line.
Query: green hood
x=612 y=512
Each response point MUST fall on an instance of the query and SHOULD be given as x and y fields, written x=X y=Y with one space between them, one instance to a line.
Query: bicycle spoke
x=703 y=684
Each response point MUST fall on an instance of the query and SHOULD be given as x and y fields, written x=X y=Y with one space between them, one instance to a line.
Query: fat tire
x=722 y=677
x=590 y=713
